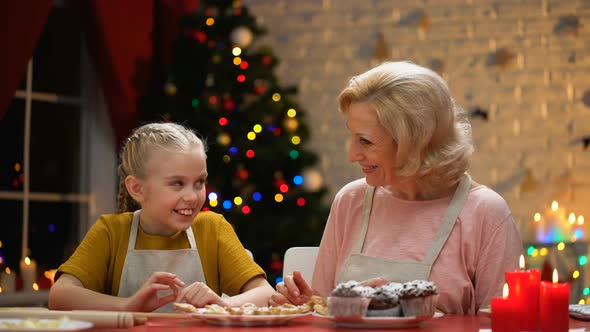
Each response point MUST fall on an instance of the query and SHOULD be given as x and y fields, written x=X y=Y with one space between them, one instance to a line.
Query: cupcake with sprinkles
x=349 y=300
x=418 y=298
x=385 y=301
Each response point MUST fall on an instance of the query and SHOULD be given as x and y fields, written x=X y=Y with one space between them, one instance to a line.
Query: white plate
x=245 y=320
x=580 y=311
x=486 y=312
x=70 y=325
x=380 y=322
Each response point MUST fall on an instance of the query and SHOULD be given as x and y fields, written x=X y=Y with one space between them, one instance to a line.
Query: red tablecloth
x=455 y=323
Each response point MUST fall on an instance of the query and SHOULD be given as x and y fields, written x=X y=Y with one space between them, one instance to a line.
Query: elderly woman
x=417 y=214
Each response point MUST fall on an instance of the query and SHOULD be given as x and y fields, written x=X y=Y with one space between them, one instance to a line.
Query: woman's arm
x=501 y=253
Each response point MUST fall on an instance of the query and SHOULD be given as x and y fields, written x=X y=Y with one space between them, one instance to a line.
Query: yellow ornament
x=170 y=89
x=291 y=124
x=224 y=139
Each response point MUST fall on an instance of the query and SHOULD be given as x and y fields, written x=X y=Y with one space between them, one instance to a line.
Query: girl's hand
x=146 y=298
x=294 y=289
x=199 y=294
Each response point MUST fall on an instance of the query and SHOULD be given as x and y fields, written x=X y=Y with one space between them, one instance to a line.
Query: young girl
x=166 y=251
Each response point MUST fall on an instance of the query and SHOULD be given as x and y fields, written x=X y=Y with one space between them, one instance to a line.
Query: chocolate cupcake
x=385 y=301
x=349 y=300
x=418 y=298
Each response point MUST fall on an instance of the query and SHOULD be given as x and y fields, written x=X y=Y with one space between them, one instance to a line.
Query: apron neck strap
x=443 y=233
x=367 y=207
x=135 y=227
x=449 y=219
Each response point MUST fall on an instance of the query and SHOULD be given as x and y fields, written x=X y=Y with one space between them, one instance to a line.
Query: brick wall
x=525 y=63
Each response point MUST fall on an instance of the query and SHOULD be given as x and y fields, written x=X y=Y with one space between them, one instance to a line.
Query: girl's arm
x=68 y=293
x=257 y=290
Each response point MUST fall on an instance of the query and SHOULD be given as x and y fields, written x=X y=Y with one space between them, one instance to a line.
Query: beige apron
x=141 y=264
x=360 y=267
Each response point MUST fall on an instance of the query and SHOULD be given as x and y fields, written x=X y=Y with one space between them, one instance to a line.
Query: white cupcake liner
x=391 y=312
x=419 y=306
x=349 y=307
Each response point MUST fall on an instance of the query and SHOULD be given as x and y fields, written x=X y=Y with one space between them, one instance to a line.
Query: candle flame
x=521 y=262
x=580 y=220
x=35 y=286
x=27 y=260
x=571 y=218
x=7 y=270
x=554 y=206
x=537 y=217
x=555 y=278
x=0 y=289
x=505 y=291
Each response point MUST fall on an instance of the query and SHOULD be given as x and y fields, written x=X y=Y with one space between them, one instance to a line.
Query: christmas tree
x=261 y=176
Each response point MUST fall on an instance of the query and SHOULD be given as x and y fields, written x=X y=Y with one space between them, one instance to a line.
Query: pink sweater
x=470 y=268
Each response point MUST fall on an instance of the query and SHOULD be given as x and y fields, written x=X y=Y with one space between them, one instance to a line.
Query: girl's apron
x=141 y=264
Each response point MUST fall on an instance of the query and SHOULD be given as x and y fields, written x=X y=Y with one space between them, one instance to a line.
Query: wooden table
x=455 y=323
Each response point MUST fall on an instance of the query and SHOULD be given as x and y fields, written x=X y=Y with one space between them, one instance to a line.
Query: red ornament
x=241 y=78
x=284 y=188
x=277 y=131
x=200 y=36
x=245 y=209
x=267 y=60
x=301 y=201
x=229 y=104
x=259 y=89
x=243 y=174
x=244 y=65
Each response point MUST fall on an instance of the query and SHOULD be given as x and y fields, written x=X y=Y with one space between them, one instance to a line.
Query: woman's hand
x=374 y=282
x=294 y=289
x=146 y=298
x=199 y=294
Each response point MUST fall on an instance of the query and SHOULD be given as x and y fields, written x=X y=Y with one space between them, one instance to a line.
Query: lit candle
x=28 y=271
x=8 y=281
x=524 y=290
x=554 y=305
x=504 y=313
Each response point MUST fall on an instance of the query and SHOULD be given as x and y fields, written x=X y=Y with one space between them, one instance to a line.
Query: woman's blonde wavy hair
x=142 y=144
x=414 y=104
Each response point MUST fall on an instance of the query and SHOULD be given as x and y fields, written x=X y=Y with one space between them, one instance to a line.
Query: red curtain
x=120 y=38
x=27 y=17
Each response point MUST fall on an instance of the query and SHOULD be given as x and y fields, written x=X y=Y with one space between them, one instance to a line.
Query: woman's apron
x=141 y=264
x=361 y=267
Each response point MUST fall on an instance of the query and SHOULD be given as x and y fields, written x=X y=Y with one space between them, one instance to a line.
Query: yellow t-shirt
x=98 y=260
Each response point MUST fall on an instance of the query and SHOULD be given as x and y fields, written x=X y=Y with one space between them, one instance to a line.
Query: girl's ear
x=134 y=187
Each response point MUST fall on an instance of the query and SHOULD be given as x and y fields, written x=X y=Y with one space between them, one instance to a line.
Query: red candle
x=504 y=313
x=524 y=290
x=554 y=305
